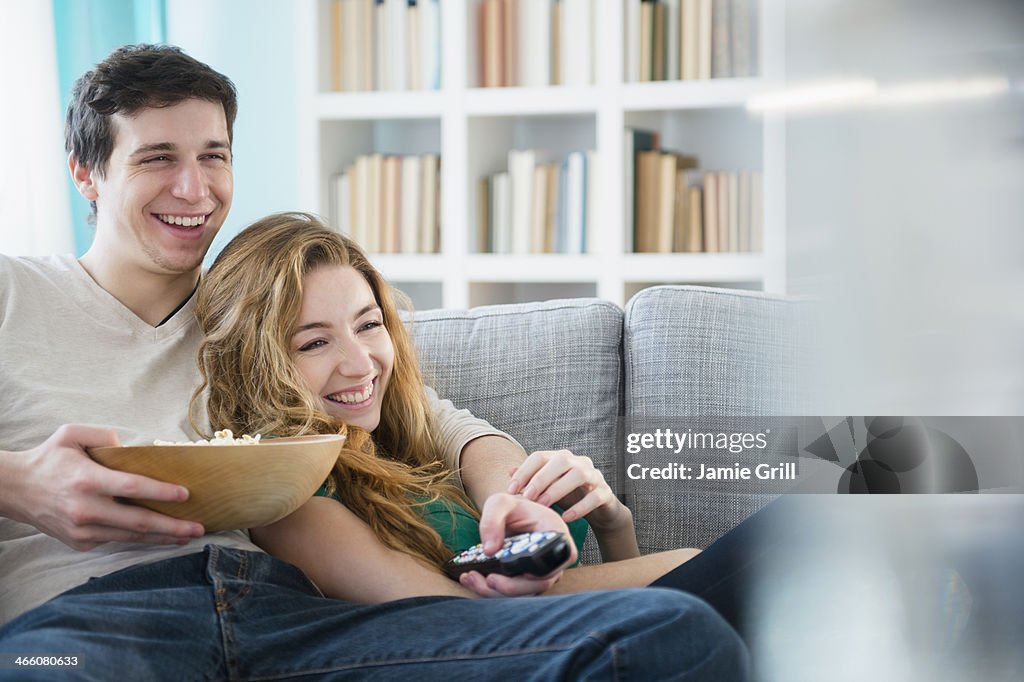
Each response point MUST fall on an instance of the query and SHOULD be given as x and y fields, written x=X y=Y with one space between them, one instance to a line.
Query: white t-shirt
x=70 y=353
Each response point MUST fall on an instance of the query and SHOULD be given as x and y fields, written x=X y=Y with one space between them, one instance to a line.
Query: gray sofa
x=577 y=373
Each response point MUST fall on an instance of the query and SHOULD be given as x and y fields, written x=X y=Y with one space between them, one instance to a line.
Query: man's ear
x=82 y=176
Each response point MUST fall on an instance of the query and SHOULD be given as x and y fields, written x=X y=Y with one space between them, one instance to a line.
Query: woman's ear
x=83 y=178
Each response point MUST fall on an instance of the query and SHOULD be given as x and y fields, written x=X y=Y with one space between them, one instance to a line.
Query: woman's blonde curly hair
x=247 y=306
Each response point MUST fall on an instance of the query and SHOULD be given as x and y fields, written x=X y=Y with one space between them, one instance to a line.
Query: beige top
x=72 y=353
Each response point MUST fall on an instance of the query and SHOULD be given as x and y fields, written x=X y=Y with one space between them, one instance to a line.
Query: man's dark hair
x=132 y=78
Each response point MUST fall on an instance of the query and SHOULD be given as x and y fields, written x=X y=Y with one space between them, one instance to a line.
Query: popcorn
x=225 y=437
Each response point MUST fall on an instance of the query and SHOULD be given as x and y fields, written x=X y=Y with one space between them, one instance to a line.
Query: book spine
x=410 y=216
x=721 y=29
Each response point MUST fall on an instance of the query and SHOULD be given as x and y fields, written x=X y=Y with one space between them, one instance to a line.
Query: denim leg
x=149 y=622
x=248 y=616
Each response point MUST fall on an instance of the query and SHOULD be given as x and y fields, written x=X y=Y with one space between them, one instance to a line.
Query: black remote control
x=536 y=553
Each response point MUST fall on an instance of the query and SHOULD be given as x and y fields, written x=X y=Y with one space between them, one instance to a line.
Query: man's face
x=167 y=187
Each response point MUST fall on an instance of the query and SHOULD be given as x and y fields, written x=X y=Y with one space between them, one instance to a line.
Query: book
x=510 y=25
x=392 y=204
x=430 y=44
x=576 y=202
x=501 y=212
x=483 y=216
x=634 y=140
x=704 y=31
x=577 y=42
x=744 y=211
x=681 y=213
x=658 y=43
x=534 y=43
x=538 y=209
x=551 y=172
x=409 y=221
x=710 y=205
x=632 y=41
x=399 y=43
x=493 y=44
x=361 y=198
x=430 y=226
x=734 y=210
x=721 y=30
x=556 y=43
x=351 y=20
x=520 y=168
x=646 y=41
x=673 y=10
x=339 y=196
x=592 y=223
x=561 y=208
x=689 y=35
x=723 y=212
x=381 y=67
x=665 y=206
x=694 y=241
x=413 y=51
x=741 y=38
x=648 y=165
x=337 y=63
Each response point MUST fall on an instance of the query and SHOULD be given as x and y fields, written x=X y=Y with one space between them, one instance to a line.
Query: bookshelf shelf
x=693 y=267
x=552 y=99
x=378 y=105
x=472 y=129
x=665 y=95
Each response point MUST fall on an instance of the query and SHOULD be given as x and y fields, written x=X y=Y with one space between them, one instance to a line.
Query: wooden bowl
x=231 y=486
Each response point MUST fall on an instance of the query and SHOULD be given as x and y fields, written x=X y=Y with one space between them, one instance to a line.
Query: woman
x=303 y=337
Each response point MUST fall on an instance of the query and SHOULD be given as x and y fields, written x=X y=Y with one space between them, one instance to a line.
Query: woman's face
x=341 y=347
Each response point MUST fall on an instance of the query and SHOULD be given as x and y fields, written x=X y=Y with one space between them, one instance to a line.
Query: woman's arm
x=480 y=455
x=344 y=558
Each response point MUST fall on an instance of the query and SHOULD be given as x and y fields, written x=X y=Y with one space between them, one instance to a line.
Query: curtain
x=86 y=31
x=33 y=197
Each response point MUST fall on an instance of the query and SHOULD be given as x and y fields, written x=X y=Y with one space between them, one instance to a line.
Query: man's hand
x=60 y=490
x=504 y=515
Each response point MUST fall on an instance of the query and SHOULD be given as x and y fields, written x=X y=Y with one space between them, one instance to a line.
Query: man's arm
x=57 y=488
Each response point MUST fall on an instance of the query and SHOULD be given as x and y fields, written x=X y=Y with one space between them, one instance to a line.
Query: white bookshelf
x=473 y=129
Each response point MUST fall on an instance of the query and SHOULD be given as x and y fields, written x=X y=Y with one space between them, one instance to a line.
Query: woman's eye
x=311 y=345
x=373 y=324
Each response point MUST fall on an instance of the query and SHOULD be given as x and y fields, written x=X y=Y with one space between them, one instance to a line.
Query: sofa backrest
x=706 y=358
x=567 y=373
x=549 y=374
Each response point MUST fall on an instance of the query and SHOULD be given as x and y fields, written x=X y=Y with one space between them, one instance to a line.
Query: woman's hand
x=504 y=515
x=559 y=477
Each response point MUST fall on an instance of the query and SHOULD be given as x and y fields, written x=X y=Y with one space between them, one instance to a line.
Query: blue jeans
x=226 y=614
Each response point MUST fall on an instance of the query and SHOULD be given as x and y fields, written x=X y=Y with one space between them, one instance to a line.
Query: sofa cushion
x=705 y=354
x=549 y=374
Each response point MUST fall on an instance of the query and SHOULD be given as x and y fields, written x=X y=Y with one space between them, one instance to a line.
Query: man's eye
x=311 y=345
x=151 y=159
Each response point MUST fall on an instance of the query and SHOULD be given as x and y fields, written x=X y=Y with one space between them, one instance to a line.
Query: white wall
x=252 y=42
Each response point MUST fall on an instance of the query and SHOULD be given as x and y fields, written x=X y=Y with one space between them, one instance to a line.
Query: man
x=111 y=338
